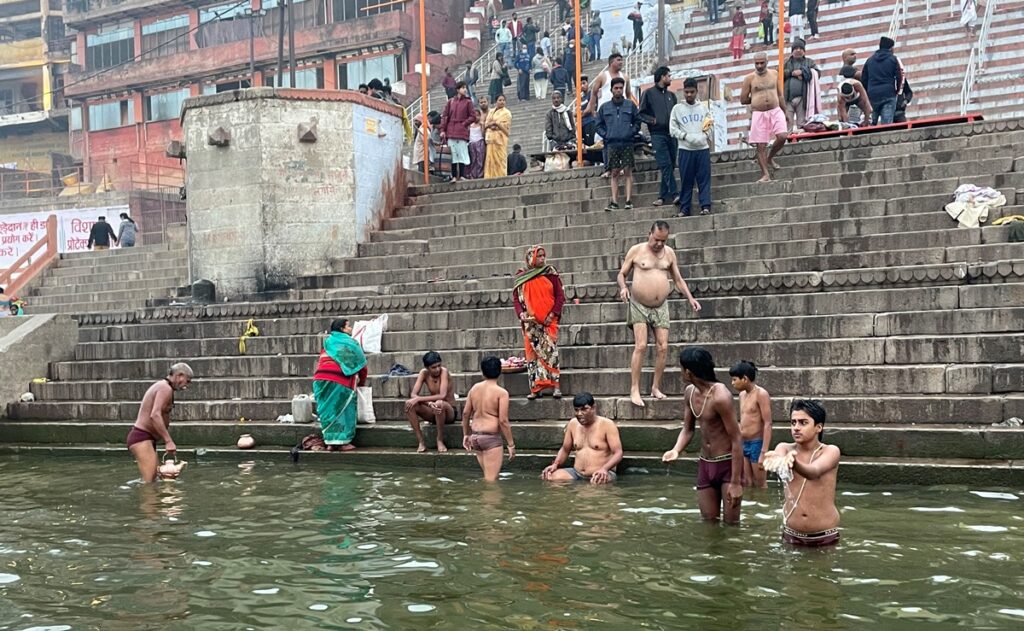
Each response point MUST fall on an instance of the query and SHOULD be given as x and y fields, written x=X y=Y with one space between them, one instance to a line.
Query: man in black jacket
x=101 y=234
x=656 y=109
x=882 y=77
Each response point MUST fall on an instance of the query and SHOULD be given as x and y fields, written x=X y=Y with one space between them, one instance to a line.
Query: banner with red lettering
x=19 y=232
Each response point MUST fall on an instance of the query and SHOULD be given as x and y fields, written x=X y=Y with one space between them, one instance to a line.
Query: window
x=223 y=12
x=308 y=13
x=389 y=67
x=165 y=105
x=305 y=78
x=345 y=10
x=165 y=37
x=6 y=101
x=76 y=119
x=217 y=88
x=111 y=45
x=223 y=24
x=111 y=115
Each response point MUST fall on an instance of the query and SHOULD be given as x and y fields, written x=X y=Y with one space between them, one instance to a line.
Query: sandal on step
x=557 y=394
x=532 y=396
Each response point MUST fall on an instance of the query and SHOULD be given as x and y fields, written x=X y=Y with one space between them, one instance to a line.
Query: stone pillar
x=282 y=181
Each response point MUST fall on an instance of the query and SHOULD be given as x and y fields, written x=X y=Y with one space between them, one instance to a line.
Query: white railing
x=986 y=24
x=969 y=76
x=547 y=21
x=899 y=16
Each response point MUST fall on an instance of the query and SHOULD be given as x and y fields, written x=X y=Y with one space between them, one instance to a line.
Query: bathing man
x=487 y=409
x=596 y=441
x=655 y=269
x=809 y=514
x=720 y=468
x=755 y=422
x=154 y=419
x=768 y=122
x=437 y=407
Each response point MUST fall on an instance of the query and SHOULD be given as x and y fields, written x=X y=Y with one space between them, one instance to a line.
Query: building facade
x=136 y=61
x=34 y=55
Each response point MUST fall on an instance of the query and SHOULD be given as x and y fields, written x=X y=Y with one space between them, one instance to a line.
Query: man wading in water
x=720 y=470
x=810 y=517
x=154 y=419
x=655 y=268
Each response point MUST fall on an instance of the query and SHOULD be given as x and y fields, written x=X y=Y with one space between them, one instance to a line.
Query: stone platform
x=844 y=281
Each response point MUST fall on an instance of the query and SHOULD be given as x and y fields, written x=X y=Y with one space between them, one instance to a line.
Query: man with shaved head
x=850 y=59
x=768 y=122
x=154 y=419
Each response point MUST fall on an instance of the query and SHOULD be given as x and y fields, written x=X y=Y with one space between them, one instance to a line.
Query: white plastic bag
x=364 y=410
x=369 y=332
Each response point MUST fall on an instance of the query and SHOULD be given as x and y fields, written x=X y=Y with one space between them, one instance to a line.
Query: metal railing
x=986 y=25
x=969 y=76
x=547 y=21
x=899 y=16
x=35 y=260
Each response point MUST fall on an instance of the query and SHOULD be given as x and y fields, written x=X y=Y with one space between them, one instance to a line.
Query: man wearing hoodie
x=656 y=110
x=882 y=76
x=687 y=124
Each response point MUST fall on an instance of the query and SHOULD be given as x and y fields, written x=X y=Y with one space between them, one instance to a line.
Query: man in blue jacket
x=618 y=121
x=883 y=79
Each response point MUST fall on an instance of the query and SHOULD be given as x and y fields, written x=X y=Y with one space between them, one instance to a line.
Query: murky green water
x=269 y=546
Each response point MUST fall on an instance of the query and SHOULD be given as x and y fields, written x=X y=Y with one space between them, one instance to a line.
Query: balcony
x=26 y=53
x=233 y=57
x=84 y=13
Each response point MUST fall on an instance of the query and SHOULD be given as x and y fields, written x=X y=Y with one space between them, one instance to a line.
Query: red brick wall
x=134 y=154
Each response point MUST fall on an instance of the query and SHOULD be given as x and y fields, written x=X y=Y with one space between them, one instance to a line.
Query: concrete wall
x=266 y=208
x=27 y=346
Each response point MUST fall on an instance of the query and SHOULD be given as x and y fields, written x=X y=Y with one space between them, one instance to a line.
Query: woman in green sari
x=340 y=370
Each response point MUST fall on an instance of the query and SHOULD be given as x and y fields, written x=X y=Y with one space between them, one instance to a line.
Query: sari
x=341 y=364
x=477 y=152
x=496 y=162
x=538 y=293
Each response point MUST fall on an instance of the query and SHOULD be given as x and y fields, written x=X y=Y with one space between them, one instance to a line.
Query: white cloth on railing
x=971 y=204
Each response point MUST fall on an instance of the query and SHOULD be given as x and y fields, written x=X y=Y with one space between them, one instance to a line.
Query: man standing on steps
x=720 y=470
x=458 y=115
x=154 y=419
x=690 y=124
x=655 y=269
x=882 y=76
x=515 y=25
x=529 y=36
x=656 y=110
x=618 y=122
x=601 y=91
x=100 y=235
x=768 y=122
x=638 y=29
x=797 y=9
x=503 y=38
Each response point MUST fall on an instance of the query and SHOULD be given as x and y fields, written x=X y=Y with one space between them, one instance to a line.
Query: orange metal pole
x=424 y=97
x=579 y=73
x=782 y=41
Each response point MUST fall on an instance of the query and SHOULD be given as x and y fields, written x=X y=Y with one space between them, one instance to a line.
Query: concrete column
x=193 y=26
x=280 y=187
x=330 y=73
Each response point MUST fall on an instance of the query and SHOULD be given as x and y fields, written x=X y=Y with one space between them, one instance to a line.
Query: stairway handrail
x=899 y=16
x=986 y=24
x=968 y=86
x=26 y=268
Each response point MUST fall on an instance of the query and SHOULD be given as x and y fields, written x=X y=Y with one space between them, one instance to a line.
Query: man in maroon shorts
x=154 y=418
x=720 y=470
x=762 y=93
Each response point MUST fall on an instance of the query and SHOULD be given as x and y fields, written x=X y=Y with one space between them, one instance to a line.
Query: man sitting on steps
x=597 y=444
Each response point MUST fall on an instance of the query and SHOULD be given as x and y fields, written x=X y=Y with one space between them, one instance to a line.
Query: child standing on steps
x=755 y=422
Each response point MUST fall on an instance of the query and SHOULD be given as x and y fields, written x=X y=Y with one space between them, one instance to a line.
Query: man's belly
x=589 y=460
x=650 y=288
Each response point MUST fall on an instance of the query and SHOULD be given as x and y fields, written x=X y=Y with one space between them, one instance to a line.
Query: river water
x=273 y=546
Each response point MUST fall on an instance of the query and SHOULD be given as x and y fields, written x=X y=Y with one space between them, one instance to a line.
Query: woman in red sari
x=538 y=299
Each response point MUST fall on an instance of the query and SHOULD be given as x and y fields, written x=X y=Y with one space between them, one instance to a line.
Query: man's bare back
x=652 y=281
x=482 y=405
x=145 y=421
x=487 y=411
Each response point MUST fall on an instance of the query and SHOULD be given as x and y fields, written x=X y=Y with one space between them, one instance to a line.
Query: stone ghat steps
x=864 y=471
x=583 y=324
x=933 y=378
x=871 y=409
x=891 y=441
x=131 y=275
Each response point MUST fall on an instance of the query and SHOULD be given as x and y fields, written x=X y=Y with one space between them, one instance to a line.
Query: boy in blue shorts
x=755 y=422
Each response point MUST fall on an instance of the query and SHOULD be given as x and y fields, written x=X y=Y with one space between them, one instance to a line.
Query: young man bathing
x=755 y=422
x=810 y=517
x=487 y=411
x=438 y=406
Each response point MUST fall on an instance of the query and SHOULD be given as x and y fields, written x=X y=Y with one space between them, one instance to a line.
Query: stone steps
x=868 y=471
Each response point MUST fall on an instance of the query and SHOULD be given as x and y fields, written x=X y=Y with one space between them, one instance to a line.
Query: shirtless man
x=762 y=92
x=755 y=422
x=720 y=468
x=810 y=517
x=596 y=441
x=439 y=404
x=601 y=88
x=850 y=59
x=655 y=269
x=852 y=96
x=487 y=408
x=153 y=420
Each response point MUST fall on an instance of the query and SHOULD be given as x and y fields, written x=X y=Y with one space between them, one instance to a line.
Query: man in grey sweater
x=688 y=125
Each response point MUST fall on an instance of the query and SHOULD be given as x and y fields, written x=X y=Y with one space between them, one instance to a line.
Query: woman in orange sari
x=538 y=299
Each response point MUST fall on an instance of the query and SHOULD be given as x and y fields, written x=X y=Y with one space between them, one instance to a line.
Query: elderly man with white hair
x=154 y=419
